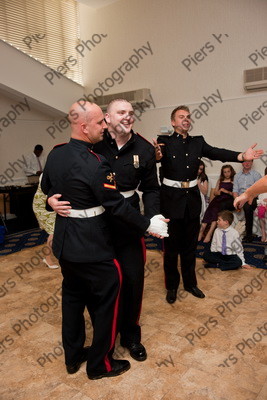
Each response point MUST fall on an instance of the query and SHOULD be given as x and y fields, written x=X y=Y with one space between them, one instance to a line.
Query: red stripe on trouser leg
x=115 y=317
x=143 y=244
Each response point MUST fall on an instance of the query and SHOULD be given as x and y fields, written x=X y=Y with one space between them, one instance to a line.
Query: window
x=46 y=30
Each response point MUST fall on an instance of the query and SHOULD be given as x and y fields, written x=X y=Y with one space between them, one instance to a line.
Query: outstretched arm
x=215 y=153
x=259 y=187
x=250 y=154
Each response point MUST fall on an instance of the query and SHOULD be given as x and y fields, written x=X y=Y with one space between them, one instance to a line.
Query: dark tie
x=224 y=243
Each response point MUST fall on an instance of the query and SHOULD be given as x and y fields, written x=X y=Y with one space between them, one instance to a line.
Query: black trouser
x=97 y=287
x=224 y=262
x=131 y=256
x=183 y=235
x=249 y=213
x=130 y=252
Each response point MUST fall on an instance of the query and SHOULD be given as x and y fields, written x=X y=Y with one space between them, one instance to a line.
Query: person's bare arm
x=259 y=187
x=203 y=186
x=217 y=191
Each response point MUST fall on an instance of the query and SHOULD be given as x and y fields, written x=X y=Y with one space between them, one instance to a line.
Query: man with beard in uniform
x=132 y=160
x=180 y=155
x=91 y=274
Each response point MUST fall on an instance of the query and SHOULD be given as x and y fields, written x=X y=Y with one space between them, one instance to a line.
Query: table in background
x=21 y=198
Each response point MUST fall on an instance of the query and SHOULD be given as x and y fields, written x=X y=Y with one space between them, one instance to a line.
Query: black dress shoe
x=73 y=368
x=171 y=296
x=195 y=291
x=137 y=351
x=118 y=368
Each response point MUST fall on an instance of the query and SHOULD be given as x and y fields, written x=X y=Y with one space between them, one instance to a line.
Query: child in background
x=261 y=211
x=223 y=200
x=226 y=251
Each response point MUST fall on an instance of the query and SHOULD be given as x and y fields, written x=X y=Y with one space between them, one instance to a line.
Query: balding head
x=87 y=122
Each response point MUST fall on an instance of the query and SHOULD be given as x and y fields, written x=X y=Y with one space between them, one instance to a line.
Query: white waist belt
x=130 y=193
x=179 y=184
x=87 y=213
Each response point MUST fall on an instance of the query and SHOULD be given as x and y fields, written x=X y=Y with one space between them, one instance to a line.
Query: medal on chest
x=136 y=161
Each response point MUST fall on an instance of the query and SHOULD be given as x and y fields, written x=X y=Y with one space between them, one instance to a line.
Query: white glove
x=158 y=226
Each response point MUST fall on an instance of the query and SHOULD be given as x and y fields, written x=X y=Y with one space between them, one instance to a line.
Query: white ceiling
x=97 y=3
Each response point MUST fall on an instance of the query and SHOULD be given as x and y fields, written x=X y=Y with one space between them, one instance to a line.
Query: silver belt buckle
x=184 y=185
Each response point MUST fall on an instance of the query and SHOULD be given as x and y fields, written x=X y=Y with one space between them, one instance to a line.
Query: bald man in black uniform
x=180 y=155
x=132 y=160
x=82 y=243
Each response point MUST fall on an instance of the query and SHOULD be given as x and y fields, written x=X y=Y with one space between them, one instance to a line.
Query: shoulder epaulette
x=59 y=145
x=165 y=136
x=142 y=137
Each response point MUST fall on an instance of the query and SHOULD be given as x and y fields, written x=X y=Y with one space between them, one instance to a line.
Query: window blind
x=47 y=30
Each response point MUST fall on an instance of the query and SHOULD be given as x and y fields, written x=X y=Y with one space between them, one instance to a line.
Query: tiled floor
x=212 y=349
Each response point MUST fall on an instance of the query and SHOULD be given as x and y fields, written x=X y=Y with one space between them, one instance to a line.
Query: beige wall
x=174 y=29
x=19 y=138
x=24 y=74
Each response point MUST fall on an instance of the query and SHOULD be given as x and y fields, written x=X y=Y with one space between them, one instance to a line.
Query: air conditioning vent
x=134 y=96
x=255 y=79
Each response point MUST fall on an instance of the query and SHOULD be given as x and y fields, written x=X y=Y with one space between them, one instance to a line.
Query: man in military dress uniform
x=180 y=155
x=91 y=274
x=132 y=160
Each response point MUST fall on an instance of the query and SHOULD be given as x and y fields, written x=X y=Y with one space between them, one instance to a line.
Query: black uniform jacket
x=180 y=162
x=134 y=166
x=85 y=179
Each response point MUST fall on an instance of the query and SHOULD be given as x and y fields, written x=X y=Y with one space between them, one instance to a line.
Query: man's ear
x=107 y=118
x=83 y=128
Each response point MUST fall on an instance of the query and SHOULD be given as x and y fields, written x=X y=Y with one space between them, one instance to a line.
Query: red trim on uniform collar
x=138 y=134
x=58 y=145
x=96 y=155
